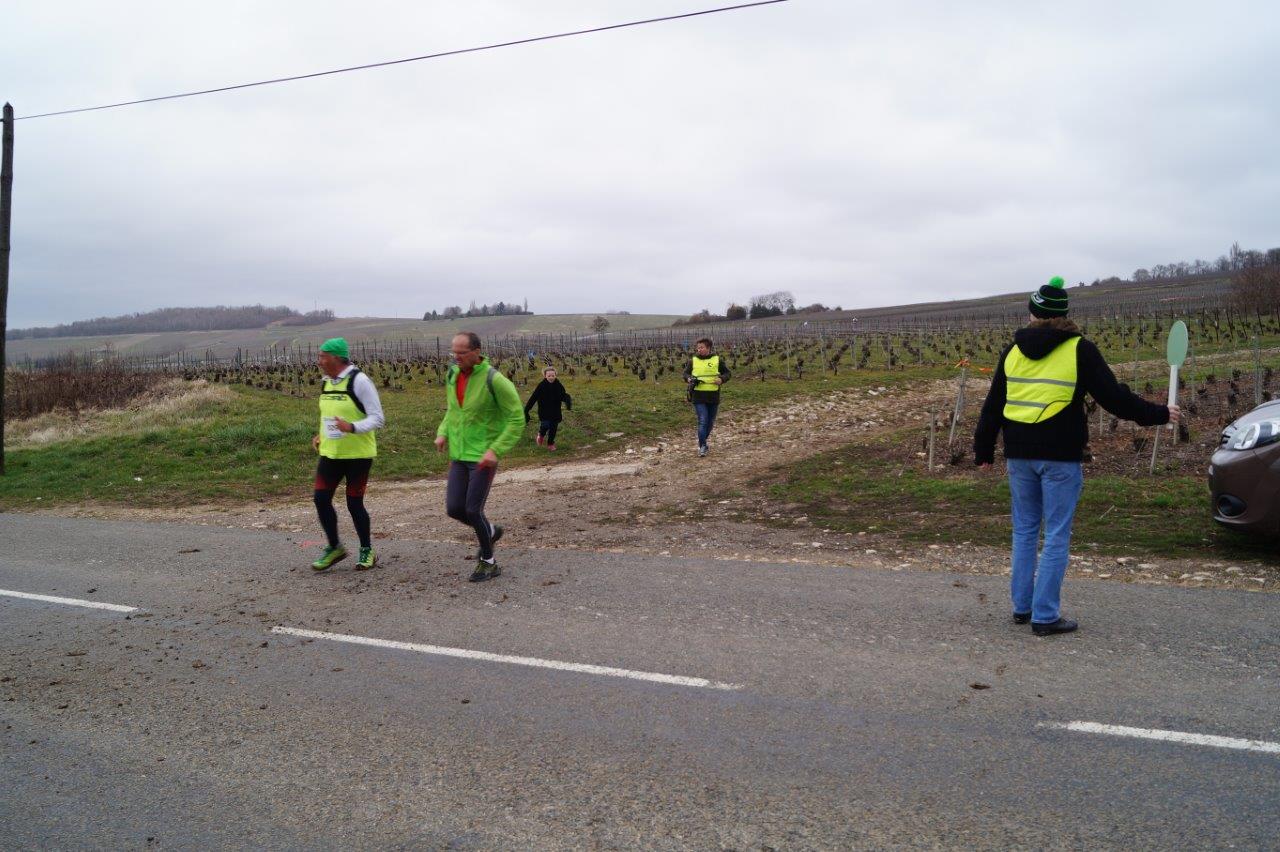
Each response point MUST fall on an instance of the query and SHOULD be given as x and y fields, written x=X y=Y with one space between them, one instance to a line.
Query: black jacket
x=1063 y=436
x=549 y=395
x=712 y=396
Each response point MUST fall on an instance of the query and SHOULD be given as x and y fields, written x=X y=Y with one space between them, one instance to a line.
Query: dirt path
x=645 y=497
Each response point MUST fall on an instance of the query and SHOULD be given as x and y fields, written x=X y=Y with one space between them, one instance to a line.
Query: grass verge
x=253 y=444
x=872 y=487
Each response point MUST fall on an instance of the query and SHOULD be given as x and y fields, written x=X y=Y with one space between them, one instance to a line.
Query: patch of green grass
x=871 y=487
x=258 y=444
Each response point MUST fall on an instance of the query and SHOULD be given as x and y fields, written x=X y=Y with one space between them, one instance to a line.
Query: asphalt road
x=841 y=709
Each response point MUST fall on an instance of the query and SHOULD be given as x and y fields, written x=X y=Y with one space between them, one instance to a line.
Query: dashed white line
x=68 y=601
x=464 y=653
x=1166 y=736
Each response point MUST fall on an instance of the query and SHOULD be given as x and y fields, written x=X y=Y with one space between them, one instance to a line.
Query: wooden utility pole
x=6 y=212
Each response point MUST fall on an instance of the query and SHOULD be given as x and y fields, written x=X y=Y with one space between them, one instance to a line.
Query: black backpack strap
x=488 y=382
x=351 y=389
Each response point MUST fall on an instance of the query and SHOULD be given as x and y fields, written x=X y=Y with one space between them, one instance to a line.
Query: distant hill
x=1193 y=292
x=1189 y=293
x=1104 y=298
x=216 y=318
x=225 y=342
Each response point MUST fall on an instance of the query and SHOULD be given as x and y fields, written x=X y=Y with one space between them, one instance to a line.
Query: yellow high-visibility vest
x=337 y=400
x=1036 y=390
x=704 y=370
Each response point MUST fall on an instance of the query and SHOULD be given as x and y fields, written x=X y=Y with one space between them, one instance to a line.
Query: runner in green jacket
x=484 y=420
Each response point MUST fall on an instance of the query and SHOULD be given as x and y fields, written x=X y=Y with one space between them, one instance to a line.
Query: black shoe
x=485 y=571
x=1021 y=617
x=1062 y=625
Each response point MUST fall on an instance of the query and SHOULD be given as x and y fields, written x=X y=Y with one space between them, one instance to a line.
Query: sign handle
x=1173 y=389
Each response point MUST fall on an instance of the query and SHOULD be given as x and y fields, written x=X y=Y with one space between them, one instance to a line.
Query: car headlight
x=1255 y=435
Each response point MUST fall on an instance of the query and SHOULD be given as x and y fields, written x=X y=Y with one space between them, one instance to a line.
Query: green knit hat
x=336 y=346
x=1050 y=300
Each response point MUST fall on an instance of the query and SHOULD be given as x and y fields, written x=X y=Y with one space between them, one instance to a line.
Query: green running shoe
x=484 y=571
x=367 y=559
x=329 y=558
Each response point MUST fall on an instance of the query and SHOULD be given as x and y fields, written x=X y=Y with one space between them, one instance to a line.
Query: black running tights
x=329 y=472
x=465 y=498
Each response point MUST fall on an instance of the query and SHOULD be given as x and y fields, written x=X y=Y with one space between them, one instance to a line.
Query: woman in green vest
x=1037 y=401
x=350 y=411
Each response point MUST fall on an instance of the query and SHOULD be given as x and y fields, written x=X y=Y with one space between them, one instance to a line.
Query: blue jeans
x=706 y=419
x=1041 y=491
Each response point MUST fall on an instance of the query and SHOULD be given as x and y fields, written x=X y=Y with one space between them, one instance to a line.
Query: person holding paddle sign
x=1175 y=353
x=1037 y=401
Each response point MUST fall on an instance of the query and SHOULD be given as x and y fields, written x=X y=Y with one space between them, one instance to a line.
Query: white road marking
x=464 y=653
x=1166 y=736
x=68 y=601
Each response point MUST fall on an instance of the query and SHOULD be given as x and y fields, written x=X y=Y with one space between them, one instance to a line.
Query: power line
x=403 y=61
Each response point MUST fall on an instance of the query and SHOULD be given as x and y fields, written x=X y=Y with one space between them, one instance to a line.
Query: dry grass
x=74 y=385
x=169 y=403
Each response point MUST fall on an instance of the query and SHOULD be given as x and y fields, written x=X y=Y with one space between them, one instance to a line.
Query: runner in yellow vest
x=350 y=411
x=1037 y=401
x=705 y=373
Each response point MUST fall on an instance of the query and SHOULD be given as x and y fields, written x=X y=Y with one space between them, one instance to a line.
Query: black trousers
x=547 y=429
x=465 y=497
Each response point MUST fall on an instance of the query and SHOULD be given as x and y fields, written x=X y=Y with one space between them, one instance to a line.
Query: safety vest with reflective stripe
x=704 y=370
x=1038 y=389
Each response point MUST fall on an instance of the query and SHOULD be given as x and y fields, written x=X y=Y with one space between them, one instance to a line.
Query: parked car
x=1244 y=473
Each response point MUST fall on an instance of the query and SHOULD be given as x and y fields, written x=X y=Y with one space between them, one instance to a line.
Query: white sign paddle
x=1175 y=354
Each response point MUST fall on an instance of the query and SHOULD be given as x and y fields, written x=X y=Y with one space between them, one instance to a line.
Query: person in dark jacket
x=548 y=395
x=1037 y=400
x=704 y=374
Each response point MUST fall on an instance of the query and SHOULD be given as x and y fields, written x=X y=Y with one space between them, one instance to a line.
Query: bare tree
x=772 y=304
x=1257 y=289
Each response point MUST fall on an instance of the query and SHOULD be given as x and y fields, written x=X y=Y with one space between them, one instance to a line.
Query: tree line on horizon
x=501 y=309
x=776 y=304
x=1235 y=260
x=218 y=318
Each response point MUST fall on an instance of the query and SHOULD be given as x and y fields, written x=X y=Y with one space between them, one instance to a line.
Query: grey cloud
x=856 y=153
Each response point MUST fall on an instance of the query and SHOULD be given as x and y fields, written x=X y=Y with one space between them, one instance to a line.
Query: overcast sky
x=855 y=153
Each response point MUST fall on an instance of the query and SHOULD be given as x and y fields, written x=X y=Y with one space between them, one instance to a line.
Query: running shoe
x=367 y=559
x=702 y=451
x=330 y=557
x=485 y=571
